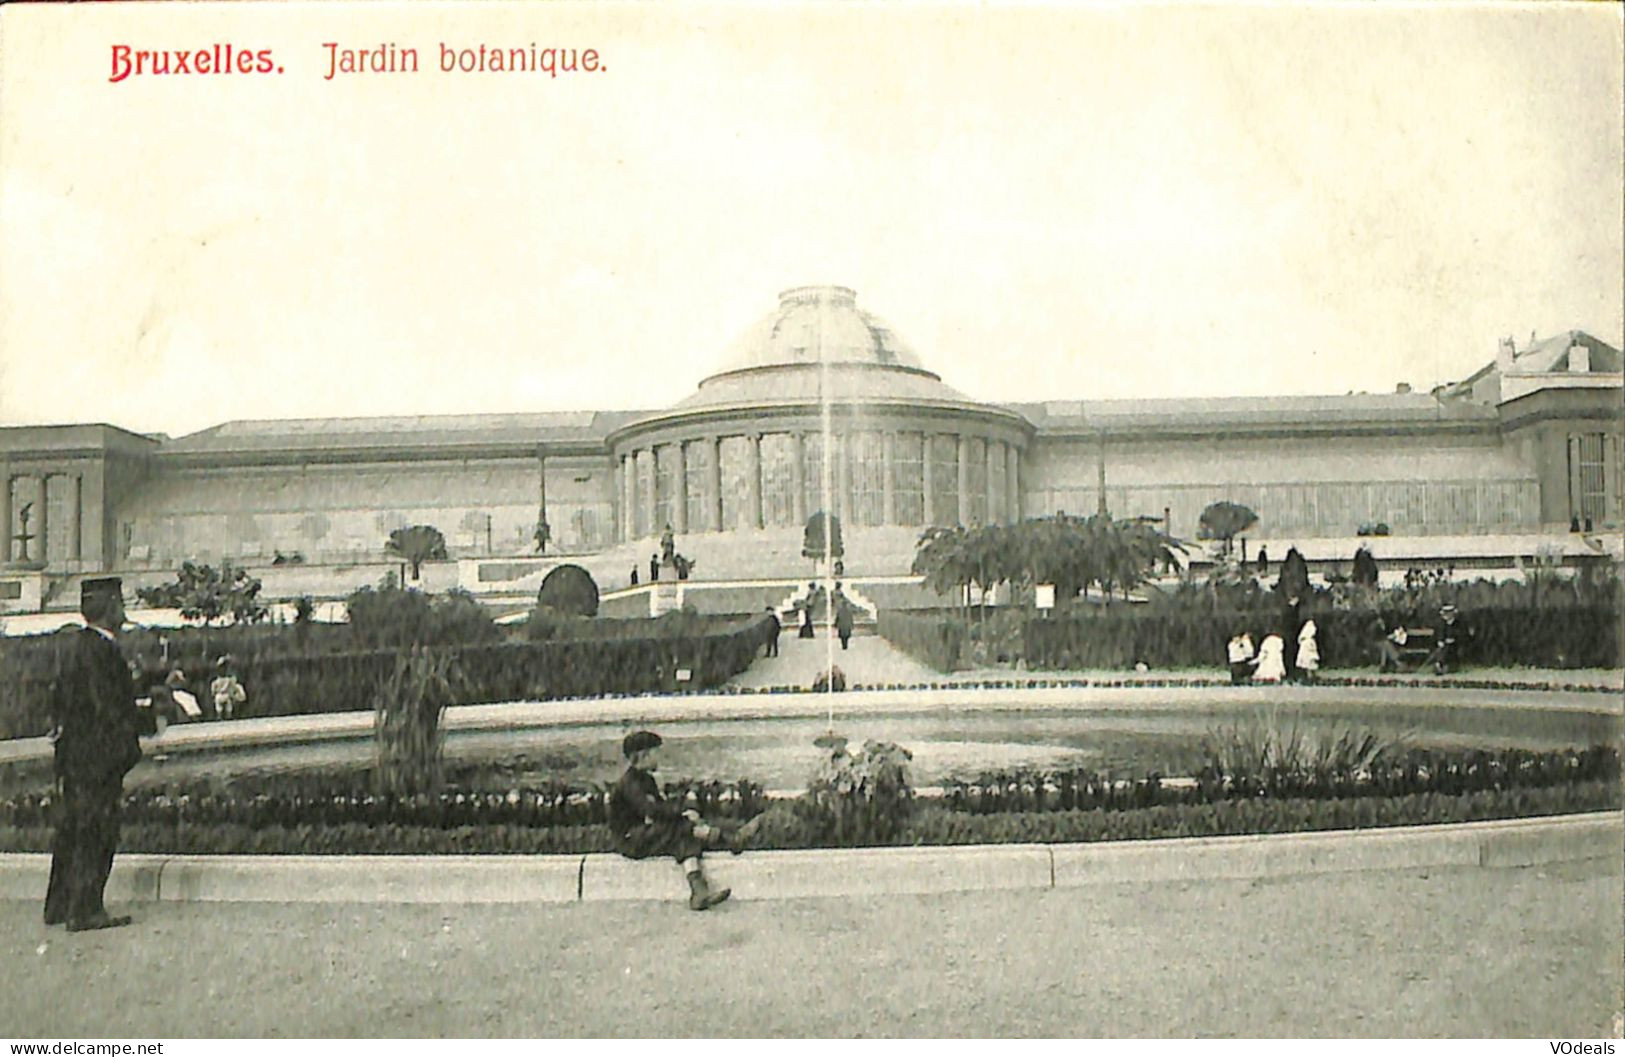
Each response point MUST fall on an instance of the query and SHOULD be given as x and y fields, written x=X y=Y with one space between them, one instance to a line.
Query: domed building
x=746 y=451
x=1530 y=443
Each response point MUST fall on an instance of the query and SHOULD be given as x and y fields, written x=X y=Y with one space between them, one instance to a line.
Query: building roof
x=1552 y=355
x=807 y=383
x=813 y=322
x=250 y=436
x=1217 y=413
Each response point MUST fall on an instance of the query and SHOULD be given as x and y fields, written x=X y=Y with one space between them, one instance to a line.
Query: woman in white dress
x=1271 y=660
x=1308 y=652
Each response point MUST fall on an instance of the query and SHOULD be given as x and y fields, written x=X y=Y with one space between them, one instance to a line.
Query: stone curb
x=651 y=709
x=832 y=872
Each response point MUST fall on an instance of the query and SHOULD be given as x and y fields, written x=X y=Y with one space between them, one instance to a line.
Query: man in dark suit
x=96 y=725
x=645 y=824
x=773 y=629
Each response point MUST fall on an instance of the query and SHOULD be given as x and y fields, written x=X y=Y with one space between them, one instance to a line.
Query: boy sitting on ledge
x=645 y=824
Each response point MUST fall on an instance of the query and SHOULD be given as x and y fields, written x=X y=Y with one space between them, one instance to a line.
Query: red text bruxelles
x=215 y=59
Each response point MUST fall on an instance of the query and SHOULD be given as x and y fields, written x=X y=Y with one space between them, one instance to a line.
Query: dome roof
x=791 y=334
x=800 y=384
x=780 y=365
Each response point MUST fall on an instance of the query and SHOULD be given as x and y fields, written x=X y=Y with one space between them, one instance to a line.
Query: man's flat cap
x=638 y=741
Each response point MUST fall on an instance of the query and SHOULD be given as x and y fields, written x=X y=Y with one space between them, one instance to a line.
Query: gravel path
x=1451 y=952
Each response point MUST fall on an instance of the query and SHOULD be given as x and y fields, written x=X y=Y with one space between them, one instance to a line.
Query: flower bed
x=929 y=826
x=333 y=813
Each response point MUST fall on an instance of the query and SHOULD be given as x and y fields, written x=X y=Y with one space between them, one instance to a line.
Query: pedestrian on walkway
x=96 y=743
x=773 y=629
x=646 y=825
x=806 y=631
x=654 y=568
x=843 y=620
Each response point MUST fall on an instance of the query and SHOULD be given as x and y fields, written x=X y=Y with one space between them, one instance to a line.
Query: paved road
x=1452 y=952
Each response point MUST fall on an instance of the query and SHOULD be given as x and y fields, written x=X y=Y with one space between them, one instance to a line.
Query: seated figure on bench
x=1388 y=647
x=645 y=824
x=1446 y=655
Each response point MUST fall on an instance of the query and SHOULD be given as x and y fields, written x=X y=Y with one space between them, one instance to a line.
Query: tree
x=812 y=537
x=570 y=590
x=416 y=544
x=1365 y=568
x=1224 y=521
x=202 y=592
x=1294 y=581
x=1069 y=552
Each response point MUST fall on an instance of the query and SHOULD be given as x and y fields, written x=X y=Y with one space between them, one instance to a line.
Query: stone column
x=76 y=542
x=753 y=478
x=990 y=452
x=629 y=504
x=102 y=539
x=648 y=455
x=930 y=508
x=713 y=487
x=5 y=515
x=679 y=501
x=798 y=476
x=42 y=533
x=888 y=475
x=964 y=480
x=1013 y=482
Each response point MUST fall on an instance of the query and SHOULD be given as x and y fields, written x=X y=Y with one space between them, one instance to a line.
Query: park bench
x=1418 y=648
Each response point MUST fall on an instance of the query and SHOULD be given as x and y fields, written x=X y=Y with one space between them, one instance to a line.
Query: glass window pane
x=910 y=497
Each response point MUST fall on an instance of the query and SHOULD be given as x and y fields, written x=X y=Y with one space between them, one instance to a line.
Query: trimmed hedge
x=290 y=684
x=933 y=638
x=1121 y=636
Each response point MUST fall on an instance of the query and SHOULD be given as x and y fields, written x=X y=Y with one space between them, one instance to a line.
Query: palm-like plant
x=1224 y=521
x=416 y=544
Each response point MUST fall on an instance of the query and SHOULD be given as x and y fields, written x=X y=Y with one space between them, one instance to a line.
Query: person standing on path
x=806 y=631
x=773 y=629
x=843 y=620
x=96 y=744
x=645 y=824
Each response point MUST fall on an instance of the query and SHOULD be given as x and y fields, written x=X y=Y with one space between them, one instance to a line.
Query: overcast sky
x=1111 y=201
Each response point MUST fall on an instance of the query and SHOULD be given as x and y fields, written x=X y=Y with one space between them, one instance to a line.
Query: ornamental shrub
x=570 y=591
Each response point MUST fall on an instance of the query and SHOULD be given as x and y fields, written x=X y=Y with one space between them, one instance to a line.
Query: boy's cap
x=638 y=741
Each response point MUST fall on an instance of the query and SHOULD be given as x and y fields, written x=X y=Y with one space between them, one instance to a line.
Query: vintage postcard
x=815 y=520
